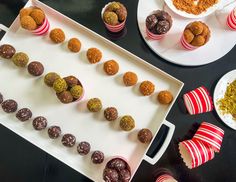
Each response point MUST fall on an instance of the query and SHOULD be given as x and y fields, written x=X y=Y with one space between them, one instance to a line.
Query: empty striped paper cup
x=42 y=29
x=195 y=153
x=154 y=36
x=231 y=20
x=186 y=45
x=165 y=178
x=211 y=135
x=198 y=101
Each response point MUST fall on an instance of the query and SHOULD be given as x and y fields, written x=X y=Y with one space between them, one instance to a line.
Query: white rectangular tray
x=74 y=118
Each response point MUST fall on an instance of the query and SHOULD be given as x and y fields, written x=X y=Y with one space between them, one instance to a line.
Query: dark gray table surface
x=23 y=162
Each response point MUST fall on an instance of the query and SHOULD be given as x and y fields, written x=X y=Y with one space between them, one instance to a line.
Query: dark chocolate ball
x=145 y=135
x=83 y=148
x=7 y=51
x=117 y=164
x=54 y=132
x=1 y=98
x=65 y=97
x=97 y=157
x=68 y=140
x=9 y=106
x=163 y=26
x=124 y=175
x=71 y=81
x=24 y=114
x=111 y=113
x=35 y=68
x=39 y=123
x=151 y=22
x=110 y=175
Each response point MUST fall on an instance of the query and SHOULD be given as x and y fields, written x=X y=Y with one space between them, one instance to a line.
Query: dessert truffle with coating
x=130 y=78
x=54 y=132
x=94 y=105
x=94 y=55
x=146 y=88
x=57 y=35
x=110 y=175
x=25 y=11
x=60 y=85
x=39 y=123
x=76 y=91
x=83 y=148
x=35 y=68
x=97 y=157
x=127 y=123
x=20 y=59
x=24 y=114
x=71 y=80
x=68 y=140
x=65 y=97
x=145 y=135
x=111 y=113
x=9 y=106
x=74 y=45
x=28 y=23
x=111 y=67
x=165 y=97
x=38 y=16
x=7 y=51
x=50 y=78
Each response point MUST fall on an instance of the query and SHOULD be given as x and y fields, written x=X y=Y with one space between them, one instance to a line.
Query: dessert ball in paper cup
x=231 y=20
x=114 y=16
x=195 y=35
x=34 y=20
x=158 y=23
x=117 y=169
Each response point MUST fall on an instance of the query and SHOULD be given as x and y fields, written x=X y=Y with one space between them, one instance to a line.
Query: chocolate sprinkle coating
x=1 y=98
x=151 y=22
x=68 y=140
x=111 y=113
x=83 y=148
x=9 y=106
x=145 y=135
x=24 y=114
x=54 y=132
x=7 y=51
x=35 y=68
x=110 y=175
x=39 y=123
x=124 y=175
x=97 y=157
x=117 y=164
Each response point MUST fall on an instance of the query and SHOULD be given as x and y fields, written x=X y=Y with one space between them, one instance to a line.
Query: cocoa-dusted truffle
x=127 y=123
x=74 y=45
x=165 y=97
x=145 y=135
x=111 y=113
x=39 y=123
x=24 y=114
x=68 y=140
x=83 y=148
x=35 y=68
x=130 y=78
x=111 y=67
x=110 y=175
x=76 y=91
x=9 y=106
x=71 y=81
x=65 y=97
x=54 y=132
x=1 y=98
x=57 y=35
x=94 y=105
x=97 y=157
x=125 y=175
x=94 y=55
x=20 y=59
x=50 y=78
x=7 y=51
x=60 y=85
x=146 y=88
x=117 y=163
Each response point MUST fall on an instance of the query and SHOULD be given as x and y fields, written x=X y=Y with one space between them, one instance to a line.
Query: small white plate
x=188 y=15
x=219 y=92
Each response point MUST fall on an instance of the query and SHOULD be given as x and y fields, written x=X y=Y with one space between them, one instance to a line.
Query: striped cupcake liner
x=186 y=45
x=43 y=29
x=231 y=20
x=154 y=36
x=165 y=178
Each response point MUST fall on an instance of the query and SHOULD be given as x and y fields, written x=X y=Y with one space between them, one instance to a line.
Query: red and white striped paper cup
x=211 y=135
x=42 y=29
x=186 y=45
x=198 y=101
x=195 y=153
x=154 y=36
x=165 y=178
x=231 y=20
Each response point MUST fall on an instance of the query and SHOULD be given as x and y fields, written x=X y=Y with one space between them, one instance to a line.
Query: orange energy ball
x=74 y=45
x=28 y=23
x=57 y=35
x=146 y=88
x=165 y=97
x=38 y=16
x=25 y=11
x=130 y=78
x=111 y=67
x=94 y=55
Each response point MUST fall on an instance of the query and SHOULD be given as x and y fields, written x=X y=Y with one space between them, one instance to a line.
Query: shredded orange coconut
x=195 y=7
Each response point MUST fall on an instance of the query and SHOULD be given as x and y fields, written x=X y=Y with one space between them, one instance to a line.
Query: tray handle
x=3 y=27
x=160 y=142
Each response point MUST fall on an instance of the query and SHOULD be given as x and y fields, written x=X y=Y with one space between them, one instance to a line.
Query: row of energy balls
x=40 y=123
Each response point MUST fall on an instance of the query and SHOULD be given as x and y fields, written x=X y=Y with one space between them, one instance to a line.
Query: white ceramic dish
x=74 y=118
x=219 y=92
x=169 y=48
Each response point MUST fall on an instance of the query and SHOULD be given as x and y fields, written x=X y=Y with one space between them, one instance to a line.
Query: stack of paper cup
x=165 y=178
x=231 y=20
x=186 y=45
x=43 y=29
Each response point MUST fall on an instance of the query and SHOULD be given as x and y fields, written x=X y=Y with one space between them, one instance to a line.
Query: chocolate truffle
x=57 y=35
x=151 y=22
x=50 y=78
x=74 y=45
x=110 y=175
x=117 y=163
x=20 y=59
x=127 y=123
x=65 y=97
x=111 y=67
x=94 y=105
x=97 y=157
x=146 y=88
x=111 y=113
x=24 y=114
x=124 y=175
x=9 y=106
x=39 y=123
x=68 y=140
x=145 y=135
x=60 y=85
x=165 y=97
x=38 y=16
x=83 y=148
x=35 y=68
x=7 y=51
x=110 y=18
x=76 y=91
x=121 y=12
x=54 y=132
x=71 y=81
x=94 y=55
x=130 y=78
x=1 y=98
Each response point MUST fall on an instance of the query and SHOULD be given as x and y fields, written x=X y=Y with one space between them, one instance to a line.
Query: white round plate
x=219 y=92
x=187 y=15
x=169 y=48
